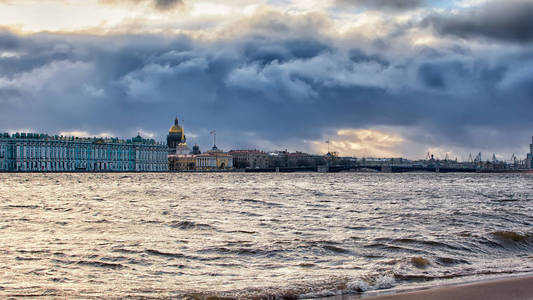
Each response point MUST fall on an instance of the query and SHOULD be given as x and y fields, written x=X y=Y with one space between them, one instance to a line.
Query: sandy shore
x=505 y=289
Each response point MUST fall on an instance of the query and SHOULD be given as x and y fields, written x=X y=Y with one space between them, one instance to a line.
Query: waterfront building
x=529 y=159
x=300 y=160
x=278 y=159
x=253 y=159
x=182 y=162
x=285 y=159
x=176 y=138
x=214 y=159
x=43 y=153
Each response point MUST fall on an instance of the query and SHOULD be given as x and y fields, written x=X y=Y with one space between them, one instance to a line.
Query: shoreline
x=518 y=287
x=254 y=171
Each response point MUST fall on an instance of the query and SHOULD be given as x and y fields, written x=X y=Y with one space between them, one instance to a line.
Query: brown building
x=252 y=159
x=300 y=159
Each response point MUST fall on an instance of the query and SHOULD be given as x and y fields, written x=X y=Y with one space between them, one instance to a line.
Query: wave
x=420 y=262
x=315 y=289
x=91 y=263
x=508 y=240
x=23 y=206
x=242 y=231
x=190 y=225
x=429 y=243
x=336 y=249
x=100 y=264
x=238 y=251
x=449 y=261
x=174 y=255
x=162 y=253
x=393 y=248
x=428 y=277
x=513 y=237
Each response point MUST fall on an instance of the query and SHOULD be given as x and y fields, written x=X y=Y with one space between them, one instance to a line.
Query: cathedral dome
x=176 y=136
x=175 y=129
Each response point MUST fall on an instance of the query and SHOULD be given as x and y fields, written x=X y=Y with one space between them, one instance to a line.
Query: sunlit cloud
x=361 y=143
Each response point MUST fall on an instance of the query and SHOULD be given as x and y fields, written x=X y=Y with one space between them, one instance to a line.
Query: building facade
x=303 y=160
x=278 y=159
x=182 y=162
x=529 y=159
x=214 y=159
x=253 y=159
x=30 y=152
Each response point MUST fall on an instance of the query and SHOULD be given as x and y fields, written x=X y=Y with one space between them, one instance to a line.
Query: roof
x=246 y=151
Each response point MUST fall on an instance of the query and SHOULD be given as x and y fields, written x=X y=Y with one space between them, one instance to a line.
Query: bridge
x=377 y=167
x=402 y=168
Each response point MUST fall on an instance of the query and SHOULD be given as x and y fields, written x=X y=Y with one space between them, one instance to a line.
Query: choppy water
x=257 y=235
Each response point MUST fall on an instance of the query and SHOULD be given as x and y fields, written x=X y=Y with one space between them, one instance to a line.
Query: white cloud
x=93 y=91
x=85 y=134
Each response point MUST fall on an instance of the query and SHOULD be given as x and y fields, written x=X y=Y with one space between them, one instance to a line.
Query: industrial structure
x=31 y=152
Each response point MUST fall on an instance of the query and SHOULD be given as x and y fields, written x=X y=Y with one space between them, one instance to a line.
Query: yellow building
x=182 y=162
x=214 y=159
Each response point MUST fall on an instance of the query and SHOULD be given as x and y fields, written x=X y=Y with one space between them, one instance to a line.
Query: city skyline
x=376 y=78
x=472 y=157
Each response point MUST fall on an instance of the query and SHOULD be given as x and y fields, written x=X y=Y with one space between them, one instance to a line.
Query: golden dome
x=175 y=129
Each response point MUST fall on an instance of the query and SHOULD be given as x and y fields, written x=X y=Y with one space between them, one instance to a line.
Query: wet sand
x=505 y=289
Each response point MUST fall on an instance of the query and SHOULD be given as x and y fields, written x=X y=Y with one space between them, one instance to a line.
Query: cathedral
x=181 y=158
x=176 y=140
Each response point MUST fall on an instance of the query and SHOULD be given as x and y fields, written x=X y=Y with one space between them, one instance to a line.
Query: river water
x=257 y=236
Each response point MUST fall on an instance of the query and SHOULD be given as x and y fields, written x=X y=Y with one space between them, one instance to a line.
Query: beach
x=520 y=288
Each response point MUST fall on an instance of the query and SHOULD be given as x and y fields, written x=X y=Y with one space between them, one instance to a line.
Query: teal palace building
x=30 y=152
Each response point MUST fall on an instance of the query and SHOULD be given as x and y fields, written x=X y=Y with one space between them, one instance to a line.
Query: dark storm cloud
x=8 y=41
x=500 y=20
x=260 y=88
x=358 y=56
x=431 y=76
x=269 y=50
x=383 y=4
x=159 y=4
x=166 y=4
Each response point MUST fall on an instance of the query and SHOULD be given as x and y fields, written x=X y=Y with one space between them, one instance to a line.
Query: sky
x=376 y=78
